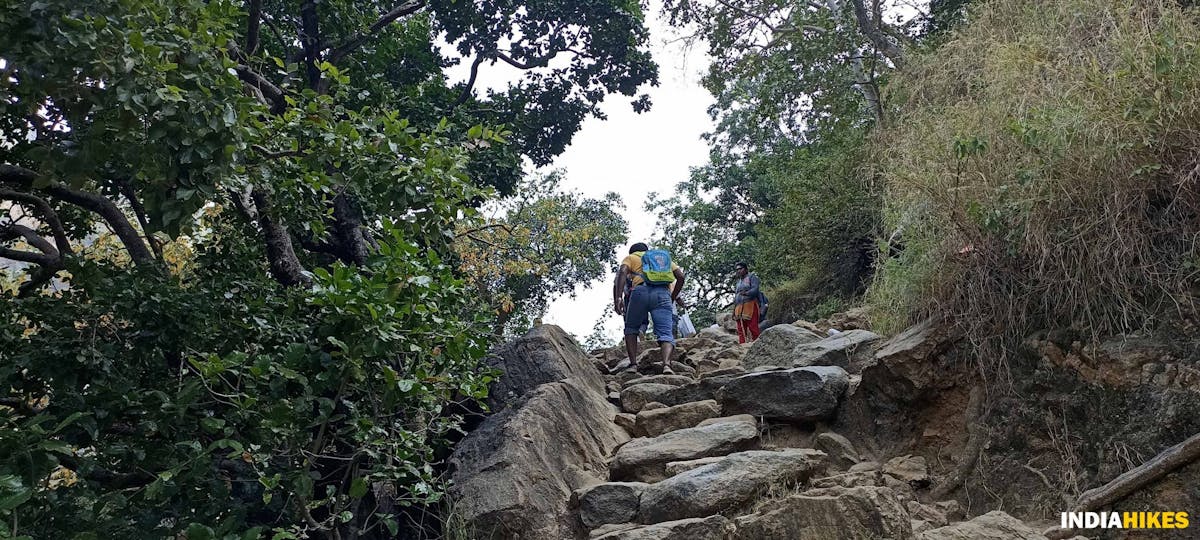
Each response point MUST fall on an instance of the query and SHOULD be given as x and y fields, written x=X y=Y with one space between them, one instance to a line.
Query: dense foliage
x=542 y=244
x=797 y=87
x=231 y=227
x=1042 y=172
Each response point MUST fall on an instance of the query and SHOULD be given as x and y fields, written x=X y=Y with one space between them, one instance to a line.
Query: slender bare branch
x=139 y=211
x=356 y=41
x=466 y=91
x=531 y=64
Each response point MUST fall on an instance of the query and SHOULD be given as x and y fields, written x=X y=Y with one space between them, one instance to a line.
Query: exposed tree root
x=1134 y=479
x=975 y=439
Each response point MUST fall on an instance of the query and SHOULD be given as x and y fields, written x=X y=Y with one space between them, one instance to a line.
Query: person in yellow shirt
x=647 y=299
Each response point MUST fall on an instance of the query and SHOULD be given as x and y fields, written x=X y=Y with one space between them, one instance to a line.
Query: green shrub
x=1042 y=170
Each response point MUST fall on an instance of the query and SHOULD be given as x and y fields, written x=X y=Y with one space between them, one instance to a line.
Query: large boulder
x=859 y=513
x=911 y=364
x=845 y=349
x=791 y=346
x=995 y=525
x=708 y=528
x=645 y=459
x=799 y=394
x=658 y=421
x=726 y=484
x=776 y=346
x=544 y=354
x=610 y=502
x=512 y=478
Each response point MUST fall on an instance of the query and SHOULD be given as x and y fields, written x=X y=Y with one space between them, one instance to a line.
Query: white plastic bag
x=686 y=328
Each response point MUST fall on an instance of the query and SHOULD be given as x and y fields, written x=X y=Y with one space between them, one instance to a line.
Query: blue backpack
x=656 y=267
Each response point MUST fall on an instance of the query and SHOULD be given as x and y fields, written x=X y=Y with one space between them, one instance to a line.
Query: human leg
x=752 y=323
x=664 y=326
x=636 y=313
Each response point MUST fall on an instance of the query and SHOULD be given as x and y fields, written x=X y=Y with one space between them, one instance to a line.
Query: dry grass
x=1043 y=170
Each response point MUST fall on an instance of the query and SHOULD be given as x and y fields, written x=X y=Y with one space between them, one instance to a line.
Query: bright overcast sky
x=633 y=155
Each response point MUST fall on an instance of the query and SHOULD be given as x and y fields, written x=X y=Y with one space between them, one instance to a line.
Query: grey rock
x=675 y=467
x=731 y=371
x=673 y=380
x=628 y=422
x=930 y=515
x=845 y=349
x=995 y=525
x=911 y=470
x=544 y=354
x=841 y=451
x=610 y=502
x=653 y=406
x=776 y=344
x=513 y=476
x=708 y=528
x=912 y=365
x=653 y=423
x=645 y=459
x=633 y=398
x=798 y=394
x=726 y=484
x=734 y=418
x=860 y=513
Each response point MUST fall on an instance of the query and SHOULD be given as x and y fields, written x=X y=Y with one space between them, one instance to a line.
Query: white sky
x=631 y=154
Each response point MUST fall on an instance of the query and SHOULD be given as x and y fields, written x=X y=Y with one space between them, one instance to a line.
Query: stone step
x=710 y=487
x=858 y=513
x=796 y=395
x=635 y=396
x=673 y=380
x=726 y=484
x=645 y=458
x=655 y=422
x=707 y=528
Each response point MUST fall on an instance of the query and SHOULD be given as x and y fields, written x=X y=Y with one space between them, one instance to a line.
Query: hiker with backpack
x=748 y=303
x=656 y=283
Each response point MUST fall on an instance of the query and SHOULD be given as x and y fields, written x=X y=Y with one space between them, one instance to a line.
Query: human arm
x=752 y=292
x=679 y=279
x=619 y=289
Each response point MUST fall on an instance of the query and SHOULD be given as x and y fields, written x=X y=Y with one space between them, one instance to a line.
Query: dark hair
x=742 y=265
x=640 y=246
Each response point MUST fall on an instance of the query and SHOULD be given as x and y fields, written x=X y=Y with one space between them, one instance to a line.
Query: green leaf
x=358 y=488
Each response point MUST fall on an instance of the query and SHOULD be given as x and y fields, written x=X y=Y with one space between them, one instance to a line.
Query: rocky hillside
x=816 y=431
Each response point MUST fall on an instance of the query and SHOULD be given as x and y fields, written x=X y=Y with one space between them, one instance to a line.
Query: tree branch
x=310 y=39
x=48 y=216
x=870 y=28
x=254 y=10
x=285 y=266
x=535 y=63
x=269 y=92
x=466 y=91
x=24 y=178
x=139 y=211
x=355 y=41
x=13 y=230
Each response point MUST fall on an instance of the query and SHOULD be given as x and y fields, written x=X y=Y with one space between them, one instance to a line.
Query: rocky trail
x=806 y=433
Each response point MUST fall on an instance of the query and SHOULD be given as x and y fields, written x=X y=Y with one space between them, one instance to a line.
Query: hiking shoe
x=666 y=370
